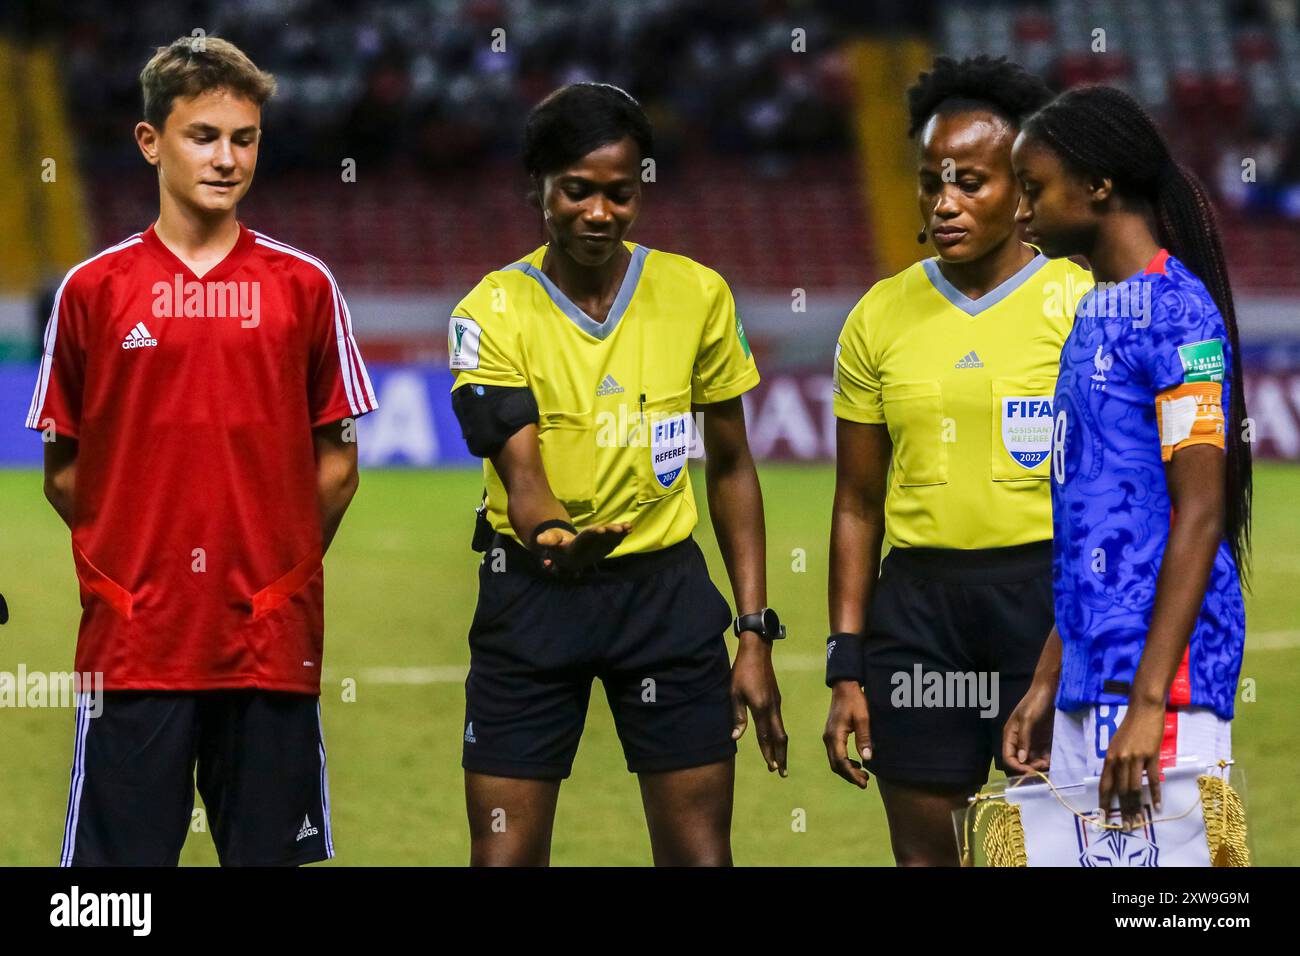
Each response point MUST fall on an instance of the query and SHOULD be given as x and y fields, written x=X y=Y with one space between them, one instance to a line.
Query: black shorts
x=261 y=772
x=951 y=647
x=650 y=626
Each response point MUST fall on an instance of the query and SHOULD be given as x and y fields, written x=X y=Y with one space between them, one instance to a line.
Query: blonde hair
x=195 y=64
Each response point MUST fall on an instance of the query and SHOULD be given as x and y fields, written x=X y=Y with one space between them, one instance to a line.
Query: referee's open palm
x=571 y=552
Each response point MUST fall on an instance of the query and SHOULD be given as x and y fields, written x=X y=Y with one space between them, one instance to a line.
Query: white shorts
x=1080 y=738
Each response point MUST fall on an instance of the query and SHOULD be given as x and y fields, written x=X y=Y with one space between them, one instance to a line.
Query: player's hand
x=753 y=689
x=848 y=715
x=1134 y=748
x=572 y=552
x=1027 y=737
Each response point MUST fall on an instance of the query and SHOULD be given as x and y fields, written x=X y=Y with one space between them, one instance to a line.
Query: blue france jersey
x=1110 y=503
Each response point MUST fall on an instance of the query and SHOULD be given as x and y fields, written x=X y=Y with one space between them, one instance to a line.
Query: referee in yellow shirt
x=578 y=370
x=944 y=376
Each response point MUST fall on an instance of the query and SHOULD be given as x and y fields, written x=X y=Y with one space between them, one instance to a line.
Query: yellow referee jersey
x=965 y=388
x=615 y=397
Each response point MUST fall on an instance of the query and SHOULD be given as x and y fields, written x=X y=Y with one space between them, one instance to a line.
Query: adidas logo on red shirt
x=139 y=338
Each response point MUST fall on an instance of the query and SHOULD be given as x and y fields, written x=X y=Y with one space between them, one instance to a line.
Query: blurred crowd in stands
x=1222 y=75
x=428 y=86
x=429 y=82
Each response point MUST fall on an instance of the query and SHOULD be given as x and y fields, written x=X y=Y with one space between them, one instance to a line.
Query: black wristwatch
x=764 y=623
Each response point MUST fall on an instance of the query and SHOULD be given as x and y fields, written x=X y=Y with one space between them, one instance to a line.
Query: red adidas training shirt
x=196 y=534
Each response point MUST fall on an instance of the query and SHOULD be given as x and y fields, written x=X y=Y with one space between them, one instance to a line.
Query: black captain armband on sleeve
x=490 y=414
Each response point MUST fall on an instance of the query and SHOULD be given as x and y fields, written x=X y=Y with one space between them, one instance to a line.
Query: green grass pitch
x=400 y=594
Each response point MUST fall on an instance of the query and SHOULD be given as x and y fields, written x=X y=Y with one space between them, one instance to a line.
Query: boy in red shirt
x=197 y=395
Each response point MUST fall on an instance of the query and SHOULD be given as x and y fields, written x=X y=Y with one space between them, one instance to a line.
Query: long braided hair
x=1100 y=131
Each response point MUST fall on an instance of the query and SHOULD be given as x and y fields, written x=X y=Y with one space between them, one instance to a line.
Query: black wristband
x=548 y=525
x=844 y=657
x=547 y=553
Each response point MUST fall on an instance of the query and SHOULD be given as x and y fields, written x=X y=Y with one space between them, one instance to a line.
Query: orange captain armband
x=1190 y=414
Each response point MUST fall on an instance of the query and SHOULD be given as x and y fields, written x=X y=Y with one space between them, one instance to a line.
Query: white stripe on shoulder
x=356 y=381
x=52 y=331
x=369 y=395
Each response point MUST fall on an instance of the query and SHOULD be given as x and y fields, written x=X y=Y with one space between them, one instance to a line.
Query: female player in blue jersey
x=1151 y=472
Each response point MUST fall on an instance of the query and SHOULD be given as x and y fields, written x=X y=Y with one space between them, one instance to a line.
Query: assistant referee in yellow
x=578 y=369
x=943 y=384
